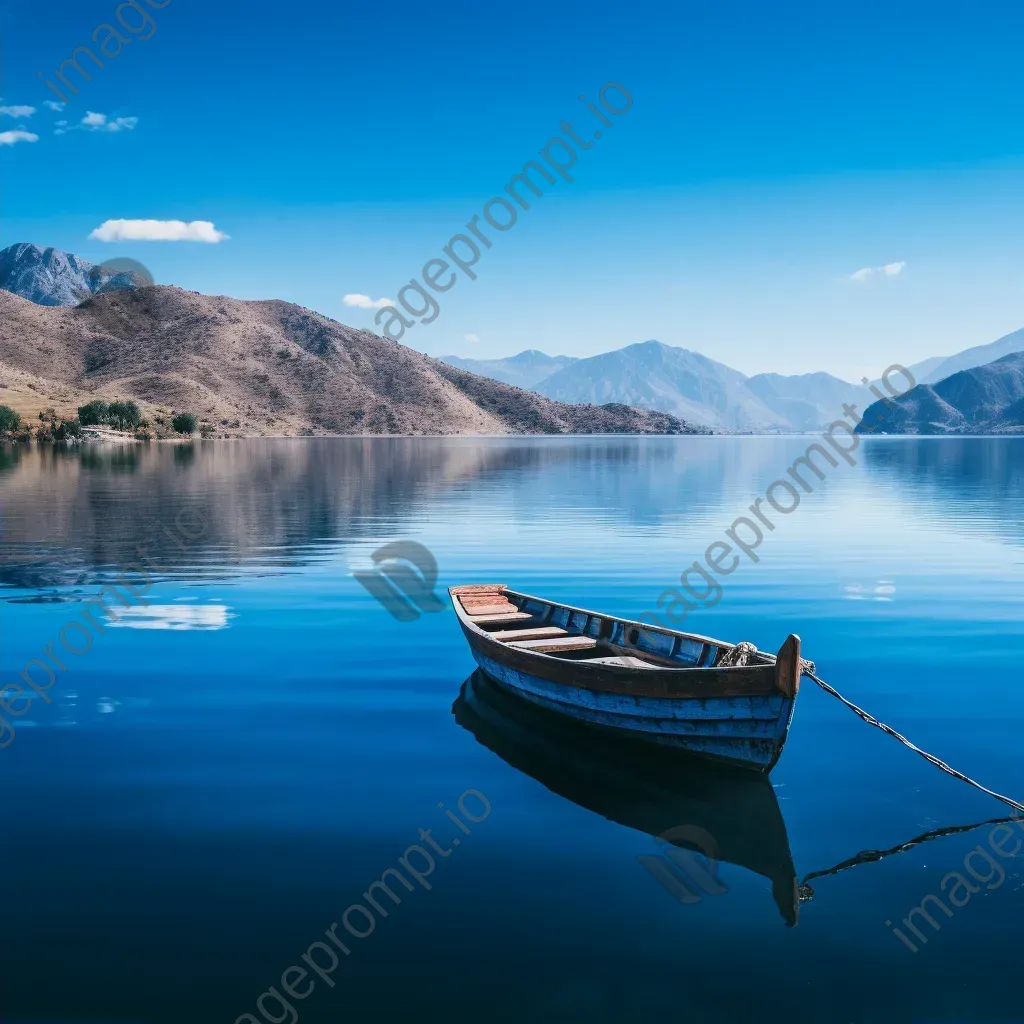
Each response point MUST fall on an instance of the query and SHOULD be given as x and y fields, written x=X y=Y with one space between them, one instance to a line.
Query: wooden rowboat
x=726 y=701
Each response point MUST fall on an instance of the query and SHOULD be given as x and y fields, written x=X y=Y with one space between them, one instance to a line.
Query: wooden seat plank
x=492 y=609
x=537 y=633
x=484 y=620
x=568 y=643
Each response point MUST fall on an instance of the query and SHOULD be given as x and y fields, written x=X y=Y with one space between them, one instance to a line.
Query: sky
x=793 y=187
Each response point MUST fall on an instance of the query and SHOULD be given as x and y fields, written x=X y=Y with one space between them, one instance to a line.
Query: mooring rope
x=807 y=668
x=931 y=758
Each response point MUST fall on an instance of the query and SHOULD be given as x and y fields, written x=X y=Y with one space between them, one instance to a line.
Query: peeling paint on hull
x=746 y=730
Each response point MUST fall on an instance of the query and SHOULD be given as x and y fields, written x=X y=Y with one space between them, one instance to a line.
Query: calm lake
x=225 y=769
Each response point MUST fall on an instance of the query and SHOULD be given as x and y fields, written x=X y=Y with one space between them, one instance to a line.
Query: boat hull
x=664 y=687
x=745 y=730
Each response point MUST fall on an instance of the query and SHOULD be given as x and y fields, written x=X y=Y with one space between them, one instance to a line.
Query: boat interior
x=573 y=634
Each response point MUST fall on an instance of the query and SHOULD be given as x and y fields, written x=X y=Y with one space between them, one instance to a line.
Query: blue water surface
x=226 y=768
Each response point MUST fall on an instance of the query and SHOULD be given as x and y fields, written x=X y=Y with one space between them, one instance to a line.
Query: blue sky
x=770 y=153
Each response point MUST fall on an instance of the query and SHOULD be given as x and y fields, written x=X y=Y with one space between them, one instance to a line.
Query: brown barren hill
x=270 y=367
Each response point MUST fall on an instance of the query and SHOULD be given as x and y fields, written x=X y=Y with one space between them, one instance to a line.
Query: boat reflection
x=683 y=800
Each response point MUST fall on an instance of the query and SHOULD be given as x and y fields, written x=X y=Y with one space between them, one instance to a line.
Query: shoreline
x=115 y=439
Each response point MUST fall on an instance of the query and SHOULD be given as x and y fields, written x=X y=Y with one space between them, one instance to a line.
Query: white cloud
x=18 y=111
x=365 y=302
x=158 y=231
x=473 y=338
x=10 y=138
x=95 y=122
x=888 y=270
x=53 y=105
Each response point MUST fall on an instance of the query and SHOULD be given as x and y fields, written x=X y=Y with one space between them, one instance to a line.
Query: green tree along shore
x=51 y=426
x=121 y=415
x=9 y=419
x=184 y=423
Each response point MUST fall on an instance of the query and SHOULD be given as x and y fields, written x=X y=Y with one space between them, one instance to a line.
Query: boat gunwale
x=670 y=682
x=466 y=619
x=632 y=622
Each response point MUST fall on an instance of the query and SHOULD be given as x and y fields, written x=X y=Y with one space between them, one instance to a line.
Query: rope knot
x=735 y=657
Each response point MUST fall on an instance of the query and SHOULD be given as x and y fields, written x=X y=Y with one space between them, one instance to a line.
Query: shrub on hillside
x=123 y=415
x=67 y=429
x=58 y=430
x=184 y=423
x=93 y=413
x=119 y=415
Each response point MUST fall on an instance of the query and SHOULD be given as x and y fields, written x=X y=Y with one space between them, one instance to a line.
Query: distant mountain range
x=524 y=370
x=50 y=277
x=939 y=367
x=650 y=375
x=249 y=368
x=985 y=399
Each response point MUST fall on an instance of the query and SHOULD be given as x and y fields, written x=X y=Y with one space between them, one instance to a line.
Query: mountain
x=921 y=371
x=980 y=355
x=265 y=367
x=523 y=370
x=982 y=400
x=51 y=277
x=651 y=375
x=809 y=400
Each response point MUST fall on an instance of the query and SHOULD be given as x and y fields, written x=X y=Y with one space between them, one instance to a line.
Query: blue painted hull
x=745 y=730
x=730 y=702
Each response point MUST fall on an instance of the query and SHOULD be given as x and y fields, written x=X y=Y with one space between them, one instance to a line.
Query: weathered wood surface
x=550 y=646
x=787 y=666
x=470 y=600
x=479 y=588
x=539 y=633
x=491 y=608
x=494 y=619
